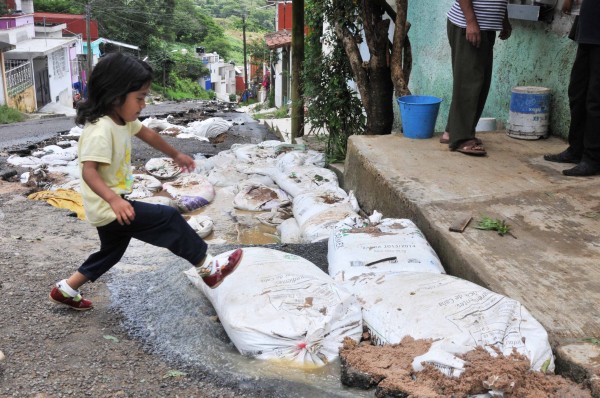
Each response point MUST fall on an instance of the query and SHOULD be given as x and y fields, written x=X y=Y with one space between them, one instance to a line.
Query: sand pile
x=389 y=369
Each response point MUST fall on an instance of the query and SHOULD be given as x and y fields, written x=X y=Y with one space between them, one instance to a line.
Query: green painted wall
x=537 y=54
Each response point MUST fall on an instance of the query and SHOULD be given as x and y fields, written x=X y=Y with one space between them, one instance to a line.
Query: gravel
x=56 y=352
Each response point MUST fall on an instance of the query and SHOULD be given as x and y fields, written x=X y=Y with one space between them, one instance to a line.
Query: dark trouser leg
x=163 y=226
x=471 y=79
x=591 y=129
x=158 y=225
x=577 y=101
x=112 y=247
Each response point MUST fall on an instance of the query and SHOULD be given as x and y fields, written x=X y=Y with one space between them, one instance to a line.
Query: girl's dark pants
x=155 y=224
x=471 y=80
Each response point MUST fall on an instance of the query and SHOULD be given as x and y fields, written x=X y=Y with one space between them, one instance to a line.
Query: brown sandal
x=473 y=147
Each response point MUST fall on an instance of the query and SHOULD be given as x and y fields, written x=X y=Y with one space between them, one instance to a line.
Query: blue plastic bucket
x=419 y=113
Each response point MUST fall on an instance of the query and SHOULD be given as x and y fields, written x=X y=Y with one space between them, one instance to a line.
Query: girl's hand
x=186 y=163
x=123 y=209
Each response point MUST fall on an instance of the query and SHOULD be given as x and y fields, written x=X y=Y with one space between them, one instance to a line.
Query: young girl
x=117 y=90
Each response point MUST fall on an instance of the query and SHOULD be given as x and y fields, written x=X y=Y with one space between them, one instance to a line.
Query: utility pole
x=245 y=63
x=88 y=15
x=297 y=66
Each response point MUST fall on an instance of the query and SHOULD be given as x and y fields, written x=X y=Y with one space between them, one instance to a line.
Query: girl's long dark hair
x=115 y=76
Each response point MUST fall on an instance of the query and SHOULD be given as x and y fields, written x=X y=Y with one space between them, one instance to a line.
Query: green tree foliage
x=331 y=103
x=260 y=15
x=146 y=22
x=60 y=6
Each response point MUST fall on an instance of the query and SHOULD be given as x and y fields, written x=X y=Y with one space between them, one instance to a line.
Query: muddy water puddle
x=234 y=226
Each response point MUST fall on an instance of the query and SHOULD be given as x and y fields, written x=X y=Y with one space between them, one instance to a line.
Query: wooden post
x=297 y=67
x=90 y=59
x=245 y=62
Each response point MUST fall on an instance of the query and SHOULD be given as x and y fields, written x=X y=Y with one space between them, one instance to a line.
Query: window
x=59 y=64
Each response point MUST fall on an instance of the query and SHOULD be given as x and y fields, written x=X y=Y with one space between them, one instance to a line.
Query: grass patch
x=10 y=115
x=280 y=113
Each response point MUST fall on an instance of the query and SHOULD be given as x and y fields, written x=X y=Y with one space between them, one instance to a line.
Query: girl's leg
x=77 y=280
x=163 y=226
x=114 y=239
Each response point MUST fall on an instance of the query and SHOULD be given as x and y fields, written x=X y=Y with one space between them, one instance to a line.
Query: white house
x=38 y=70
x=222 y=76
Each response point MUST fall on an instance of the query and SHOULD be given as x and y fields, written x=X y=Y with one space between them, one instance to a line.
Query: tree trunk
x=389 y=66
x=297 y=65
x=373 y=78
x=401 y=61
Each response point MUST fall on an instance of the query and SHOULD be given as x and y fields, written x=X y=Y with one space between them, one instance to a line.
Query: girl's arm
x=121 y=207
x=153 y=139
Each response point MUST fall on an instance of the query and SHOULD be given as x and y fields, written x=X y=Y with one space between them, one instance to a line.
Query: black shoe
x=563 y=157
x=583 y=169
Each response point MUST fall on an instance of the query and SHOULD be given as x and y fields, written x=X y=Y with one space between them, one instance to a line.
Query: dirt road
x=56 y=352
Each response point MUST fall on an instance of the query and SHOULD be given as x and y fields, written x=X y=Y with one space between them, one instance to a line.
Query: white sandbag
x=190 y=191
x=279 y=306
x=162 y=168
x=264 y=166
x=256 y=158
x=71 y=169
x=58 y=158
x=356 y=243
x=290 y=160
x=67 y=144
x=226 y=176
x=258 y=197
x=221 y=160
x=48 y=149
x=160 y=200
x=276 y=216
x=320 y=227
x=256 y=179
x=456 y=314
x=252 y=152
x=309 y=204
x=289 y=231
x=317 y=212
x=203 y=225
x=144 y=186
x=208 y=128
x=304 y=179
x=191 y=136
x=75 y=132
x=158 y=125
x=25 y=161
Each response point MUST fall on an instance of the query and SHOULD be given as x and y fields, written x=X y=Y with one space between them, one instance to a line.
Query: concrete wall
x=537 y=54
x=24 y=101
x=60 y=77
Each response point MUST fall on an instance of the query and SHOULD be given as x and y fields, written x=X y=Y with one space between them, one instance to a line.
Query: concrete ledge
x=552 y=266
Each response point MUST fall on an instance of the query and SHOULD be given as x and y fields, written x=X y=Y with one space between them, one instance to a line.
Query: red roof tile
x=278 y=39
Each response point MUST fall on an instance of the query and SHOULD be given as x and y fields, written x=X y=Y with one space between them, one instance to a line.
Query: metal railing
x=19 y=76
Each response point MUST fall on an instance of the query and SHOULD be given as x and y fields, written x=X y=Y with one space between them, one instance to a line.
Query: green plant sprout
x=494 y=224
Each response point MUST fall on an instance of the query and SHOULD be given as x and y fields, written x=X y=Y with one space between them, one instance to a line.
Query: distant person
x=472 y=27
x=584 y=96
x=118 y=87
